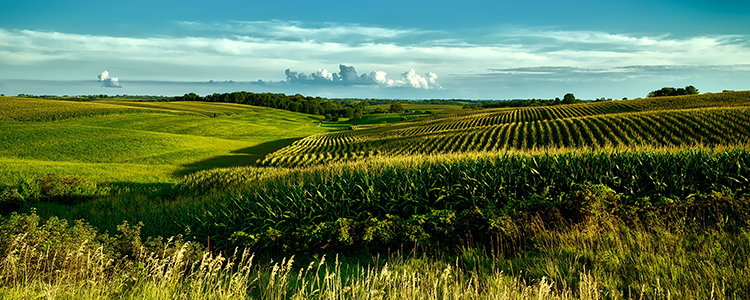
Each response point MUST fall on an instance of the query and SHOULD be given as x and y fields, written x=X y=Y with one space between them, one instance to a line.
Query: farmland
x=165 y=139
x=645 y=198
x=715 y=119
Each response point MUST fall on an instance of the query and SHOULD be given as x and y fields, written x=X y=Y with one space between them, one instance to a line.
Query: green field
x=164 y=140
x=637 y=199
x=710 y=119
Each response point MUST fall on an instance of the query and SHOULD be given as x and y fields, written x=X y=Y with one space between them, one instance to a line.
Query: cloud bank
x=305 y=31
x=483 y=63
x=107 y=81
x=347 y=75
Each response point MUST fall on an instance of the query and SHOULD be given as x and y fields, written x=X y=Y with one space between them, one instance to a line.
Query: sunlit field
x=634 y=199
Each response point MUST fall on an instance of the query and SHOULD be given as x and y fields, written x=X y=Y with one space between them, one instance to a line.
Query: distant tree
x=670 y=91
x=569 y=98
x=191 y=97
x=331 y=117
x=349 y=112
x=358 y=112
x=396 y=108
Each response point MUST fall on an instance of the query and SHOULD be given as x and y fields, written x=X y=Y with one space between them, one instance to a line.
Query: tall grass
x=599 y=259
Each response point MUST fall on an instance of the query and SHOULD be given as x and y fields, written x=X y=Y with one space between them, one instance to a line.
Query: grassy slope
x=157 y=141
x=28 y=109
x=14 y=170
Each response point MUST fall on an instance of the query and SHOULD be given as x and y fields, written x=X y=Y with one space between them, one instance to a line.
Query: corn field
x=702 y=120
x=33 y=109
x=311 y=208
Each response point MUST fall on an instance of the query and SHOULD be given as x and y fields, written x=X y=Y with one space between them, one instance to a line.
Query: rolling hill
x=708 y=119
x=162 y=140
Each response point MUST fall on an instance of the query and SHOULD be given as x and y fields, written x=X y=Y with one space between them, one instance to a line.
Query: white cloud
x=278 y=29
x=412 y=79
x=306 y=47
x=348 y=76
x=107 y=81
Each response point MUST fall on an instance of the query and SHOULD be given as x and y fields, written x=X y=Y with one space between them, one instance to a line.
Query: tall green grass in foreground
x=601 y=258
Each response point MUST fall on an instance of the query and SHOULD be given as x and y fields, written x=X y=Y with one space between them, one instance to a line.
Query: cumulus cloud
x=107 y=81
x=347 y=75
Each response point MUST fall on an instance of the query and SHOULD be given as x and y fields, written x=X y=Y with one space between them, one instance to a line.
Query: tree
x=191 y=97
x=670 y=91
x=349 y=112
x=569 y=98
x=396 y=108
x=691 y=90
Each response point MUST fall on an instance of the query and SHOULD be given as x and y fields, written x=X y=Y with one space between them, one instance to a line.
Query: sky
x=374 y=49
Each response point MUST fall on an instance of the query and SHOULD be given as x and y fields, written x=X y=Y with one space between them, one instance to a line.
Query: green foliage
x=396 y=108
x=297 y=103
x=569 y=98
x=54 y=188
x=382 y=203
x=670 y=91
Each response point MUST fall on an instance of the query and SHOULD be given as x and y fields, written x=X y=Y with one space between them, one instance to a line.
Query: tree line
x=670 y=91
x=332 y=110
x=569 y=98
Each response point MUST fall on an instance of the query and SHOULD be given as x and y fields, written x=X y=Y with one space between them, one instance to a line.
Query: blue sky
x=398 y=49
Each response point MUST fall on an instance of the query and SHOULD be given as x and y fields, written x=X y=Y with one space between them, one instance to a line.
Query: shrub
x=56 y=188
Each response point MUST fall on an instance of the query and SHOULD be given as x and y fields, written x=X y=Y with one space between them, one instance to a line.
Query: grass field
x=165 y=140
x=638 y=199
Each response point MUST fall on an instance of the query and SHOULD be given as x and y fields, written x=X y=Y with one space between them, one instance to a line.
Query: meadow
x=637 y=199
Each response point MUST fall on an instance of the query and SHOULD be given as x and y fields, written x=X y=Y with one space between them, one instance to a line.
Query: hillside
x=708 y=119
x=163 y=140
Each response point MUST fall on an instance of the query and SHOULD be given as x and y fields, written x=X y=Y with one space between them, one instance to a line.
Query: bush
x=55 y=188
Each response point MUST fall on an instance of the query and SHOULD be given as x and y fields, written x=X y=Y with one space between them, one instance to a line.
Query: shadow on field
x=243 y=157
